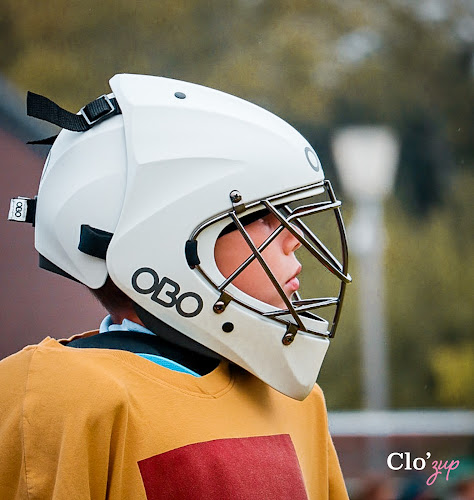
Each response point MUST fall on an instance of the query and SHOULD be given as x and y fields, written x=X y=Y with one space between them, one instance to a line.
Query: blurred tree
x=453 y=368
x=308 y=61
x=430 y=272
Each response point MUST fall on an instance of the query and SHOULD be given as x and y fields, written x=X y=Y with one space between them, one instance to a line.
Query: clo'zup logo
x=166 y=292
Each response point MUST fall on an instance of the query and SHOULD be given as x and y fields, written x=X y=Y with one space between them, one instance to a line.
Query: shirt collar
x=126 y=325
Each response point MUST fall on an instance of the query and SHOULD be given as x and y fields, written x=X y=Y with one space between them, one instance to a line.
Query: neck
x=169 y=334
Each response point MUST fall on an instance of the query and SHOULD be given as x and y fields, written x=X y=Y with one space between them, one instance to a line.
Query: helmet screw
x=235 y=197
x=219 y=307
x=228 y=327
x=288 y=338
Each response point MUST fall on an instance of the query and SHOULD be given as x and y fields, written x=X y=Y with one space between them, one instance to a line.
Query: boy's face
x=231 y=250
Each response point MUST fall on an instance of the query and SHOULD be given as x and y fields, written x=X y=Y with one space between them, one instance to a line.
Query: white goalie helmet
x=158 y=182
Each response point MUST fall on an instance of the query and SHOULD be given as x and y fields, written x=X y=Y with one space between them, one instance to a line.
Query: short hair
x=111 y=297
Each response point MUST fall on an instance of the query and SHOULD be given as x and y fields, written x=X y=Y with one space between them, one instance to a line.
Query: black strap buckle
x=100 y=109
x=97 y=109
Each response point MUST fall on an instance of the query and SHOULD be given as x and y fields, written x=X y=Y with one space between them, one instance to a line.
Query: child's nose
x=291 y=242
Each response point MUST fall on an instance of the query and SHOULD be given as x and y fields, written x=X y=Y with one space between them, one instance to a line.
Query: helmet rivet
x=219 y=307
x=180 y=95
x=288 y=338
x=228 y=327
x=235 y=197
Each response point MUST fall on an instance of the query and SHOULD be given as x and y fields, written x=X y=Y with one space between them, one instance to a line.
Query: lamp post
x=366 y=158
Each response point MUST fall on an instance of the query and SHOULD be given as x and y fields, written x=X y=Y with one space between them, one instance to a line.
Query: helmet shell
x=151 y=176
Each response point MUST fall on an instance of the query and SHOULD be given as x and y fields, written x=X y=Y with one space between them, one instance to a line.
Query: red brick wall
x=33 y=303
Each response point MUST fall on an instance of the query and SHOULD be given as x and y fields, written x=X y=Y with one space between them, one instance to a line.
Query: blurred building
x=33 y=303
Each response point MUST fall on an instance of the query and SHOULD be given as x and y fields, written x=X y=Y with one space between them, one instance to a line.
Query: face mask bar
x=291 y=220
x=313 y=244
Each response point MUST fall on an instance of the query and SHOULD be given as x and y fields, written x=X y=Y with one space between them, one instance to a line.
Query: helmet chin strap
x=172 y=336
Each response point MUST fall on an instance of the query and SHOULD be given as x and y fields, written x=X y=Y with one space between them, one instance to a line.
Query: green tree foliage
x=453 y=368
x=304 y=59
x=430 y=267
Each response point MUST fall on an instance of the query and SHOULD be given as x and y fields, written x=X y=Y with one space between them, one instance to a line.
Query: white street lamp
x=366 y=158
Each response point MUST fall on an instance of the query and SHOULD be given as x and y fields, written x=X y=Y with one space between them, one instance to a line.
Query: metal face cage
x=292 y=209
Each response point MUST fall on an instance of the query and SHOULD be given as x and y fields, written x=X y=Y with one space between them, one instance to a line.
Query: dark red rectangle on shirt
x=251 y=468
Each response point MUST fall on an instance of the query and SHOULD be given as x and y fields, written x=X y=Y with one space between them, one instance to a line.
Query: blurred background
x=322 y=66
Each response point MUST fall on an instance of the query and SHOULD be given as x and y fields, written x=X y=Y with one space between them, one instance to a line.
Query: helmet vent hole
x=228 y=327
x=180 y=95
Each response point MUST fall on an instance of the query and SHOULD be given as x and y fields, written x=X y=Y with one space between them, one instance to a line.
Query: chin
x=279 y=304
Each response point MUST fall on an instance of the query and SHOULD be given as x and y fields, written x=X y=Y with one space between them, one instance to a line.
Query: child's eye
x=270 y=221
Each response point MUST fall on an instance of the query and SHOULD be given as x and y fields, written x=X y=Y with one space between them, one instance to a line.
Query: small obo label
x=18 y=209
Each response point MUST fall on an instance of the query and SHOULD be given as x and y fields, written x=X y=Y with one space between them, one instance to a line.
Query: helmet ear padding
x=191 y=254
x=94 y=241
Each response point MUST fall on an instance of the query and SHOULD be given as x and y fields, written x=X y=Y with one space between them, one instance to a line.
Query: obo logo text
x=166 y=293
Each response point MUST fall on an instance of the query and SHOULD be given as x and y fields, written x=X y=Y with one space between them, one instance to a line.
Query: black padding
x=144 y=343
x=31 y=211
x=94 y=241
x=44 y=263
x=48 y=141
x=191 y=254
x=175 y=338
x=245 y=220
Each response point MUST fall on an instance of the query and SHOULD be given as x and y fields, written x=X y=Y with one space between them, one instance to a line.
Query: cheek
x=253 y=280
x=230 y=251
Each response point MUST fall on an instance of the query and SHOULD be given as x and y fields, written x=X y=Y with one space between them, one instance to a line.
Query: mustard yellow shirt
x=101 y=423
